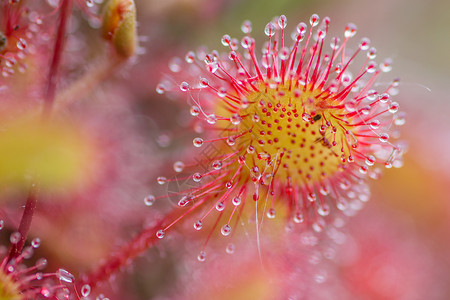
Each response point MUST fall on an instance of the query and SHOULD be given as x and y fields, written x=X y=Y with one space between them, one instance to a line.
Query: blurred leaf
x=54 y=154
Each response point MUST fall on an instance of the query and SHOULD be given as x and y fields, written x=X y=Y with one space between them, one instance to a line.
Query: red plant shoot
x=292 y=133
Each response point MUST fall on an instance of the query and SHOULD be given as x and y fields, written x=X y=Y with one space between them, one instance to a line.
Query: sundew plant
x=287 y=133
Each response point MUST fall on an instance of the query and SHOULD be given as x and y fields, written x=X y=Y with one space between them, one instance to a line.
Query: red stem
x=25 y=222
x=49 y=94
x=145 y=239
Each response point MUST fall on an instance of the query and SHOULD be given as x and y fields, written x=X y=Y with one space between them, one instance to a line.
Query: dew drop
x=246 y=27
x=282 y=21
x=211 y=119
x=350 y=30
x=364 y=44
x=230 y=248
x=217 y=165
x=301 y=28
x=334 y=44
x=298 y=217
x=160 y=234
x=220 y=206
x=341 y=203
x=184 y=86
x=284 y=53
x=400 y=119
x=384 y=137
x=226 y=40
x=370 y=160
x=306 y=117
x=323 y=210
x=178 y=166
x=21 y=44
x=384 y=98
x=41 y=263
x=318 y=226
x=190 y=57
x=197 y=177
x=372 y=53
x=247 y=42
x=225 y=230
x=235 y=119
x=2 y=224
x=45 y=291
x=194 y=111
x=175 y=65
x=363 y=169
x=375 y=124
x=149 y=200
x=314 y=20
x=236 y=201
x=85 y=290
x=202 y=256
x=271 y=213
x=161 y=180
x=15 y=237
x=231 y=141
x=394 y=107
x=36 y=242
x=204 y=82
x=386 y=66
x=372 y=67
x=89 y=3
x=198 y=142
x=160 y=89
x=64 y=275
x=198 y=225
x=184 y=201
x=269 y=30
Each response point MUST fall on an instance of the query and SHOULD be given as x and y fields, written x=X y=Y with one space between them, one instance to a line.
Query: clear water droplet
x=184 y=86
x=314 y=20
x=36 y=242
x=220 y=206
x=236 y=201
x=197 y=177
x=350 y=30
x=160 y=234
x=190 y=57
x=201 y=256
x=85 y=290
x=271 y=213
x=246 y=27
x=178 y=166
x=298 y=217
x=225 y=230
x=149 y=200
x=270 y=29
x=65 y=275
x=198 y=142
x=15 y=237
x=160 y=88
x=198 y=225
x=161 y=180
x=41 y=263
x=21 y=44
x=230 y=248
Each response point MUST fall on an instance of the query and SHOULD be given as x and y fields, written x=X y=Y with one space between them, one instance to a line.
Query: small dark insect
x=3 y=41
x=317 y=118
